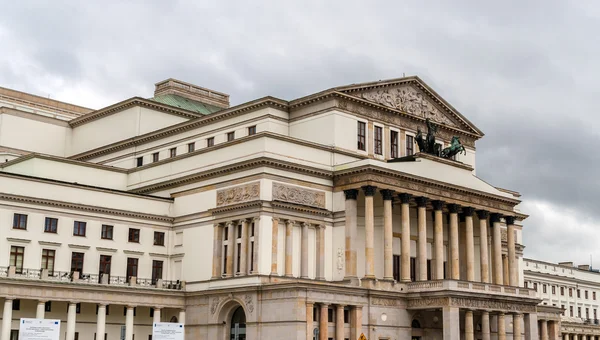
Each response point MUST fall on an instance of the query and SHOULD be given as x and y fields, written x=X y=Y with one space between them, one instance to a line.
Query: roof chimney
x=584 y=266
x=191 y=91
x=567 y=264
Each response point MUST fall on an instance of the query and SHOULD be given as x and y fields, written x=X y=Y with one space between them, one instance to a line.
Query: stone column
x=181 y=317
x=321 y=252
x=356 y=322
x=451 y=323
x=388 y=235
x=575 y=337
x=501 y=327
x=405 y=251
x=274 y=246
x=369 y=232
x=483 y=246
x=40 y=311
x=566 y=336
x=71 y=320
x=469 y=243
x=244 y=248
x=544 y=329
x=304 y=250
x=422 y=236
x=531 y=326
x=517 y=331
x=350 y=252
x=101 y=321
x=323 y=335
x=129 y=323
x=156 y=315
x=339 y=322
x=438 y=239
x=217 y=249
x=505 y=270
x=230 y=246
x=453 y=208
x=309 y=320
x=6 y=319
x=485 y=325
x=289 y=247
x=512 y=251
x=497 y=243
x=469 y=331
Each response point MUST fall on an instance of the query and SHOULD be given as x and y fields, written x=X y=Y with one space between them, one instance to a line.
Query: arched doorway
x=238 y=325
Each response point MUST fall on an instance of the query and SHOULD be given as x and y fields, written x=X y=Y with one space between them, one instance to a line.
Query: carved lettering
x=491 y=304
x=428 y=302
x=242 y=193
x=385 y=302
x=303 y=196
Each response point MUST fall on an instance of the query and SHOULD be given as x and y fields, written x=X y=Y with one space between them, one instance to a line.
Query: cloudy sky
x=523 y=71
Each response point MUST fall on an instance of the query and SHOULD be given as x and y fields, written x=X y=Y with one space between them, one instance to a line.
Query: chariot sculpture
x=428 y=145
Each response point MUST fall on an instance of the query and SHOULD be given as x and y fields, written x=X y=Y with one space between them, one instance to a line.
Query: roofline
x=44 y=102
x=61 y=160
x=190 y=84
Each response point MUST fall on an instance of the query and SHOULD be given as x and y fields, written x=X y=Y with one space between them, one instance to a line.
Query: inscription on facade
x=242 y=193
x=385 y=302
x=303 y=196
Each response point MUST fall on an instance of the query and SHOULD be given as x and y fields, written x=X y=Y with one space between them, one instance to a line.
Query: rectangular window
x=553 y=290
x=329 y=315
x=413 y=269
x=155 y=157
x=159 y=238
x=139 y=161
x=79 y=228
x=210 y=141
x=252 y=229
x=77 y=262
x=410 y=145
x=172 y=152
x=157 y=269
x=51 y=225
x=230 y=136
x=570 y=292
x=535 y=286
x=14 y=334
x=134 y=235
x=239 y=231
x=585 y=294
x=16 y=304
x=362 y=136
x=252 y=130
x=578 y=293
x=594 y=295
x=224 y=271
x=48 y=306
x=578 y=312
x=562 y=291
x=595 y=315
x=191 y=147
x=132 y=267
x=428 y=269
x=105 y=261
x=252 y=256
x=571 y=311
x=544 y=288
x=378 y=140
x=396 y=267
x=107 y=232
x=48 y=256
x=20 y=221
x=239 y=260
x=587 y=313
x=394 y=144
x=16 y=258
x=226 y=232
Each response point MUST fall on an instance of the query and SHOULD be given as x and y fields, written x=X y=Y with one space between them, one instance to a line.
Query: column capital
x=351 y=194
x=421 y=201
x=340 y=306
x=369 y=190
x=230 y=224
x=404 y=198
x=290 y=222
x=324 y=305
x=495 y=217
x=483 y=214
x=453 y=208
x=509 y=220
x=468 y=211
x=305 y=224
x=310 y=304
x=387 y=194
x=437 y=204
x=275 y=219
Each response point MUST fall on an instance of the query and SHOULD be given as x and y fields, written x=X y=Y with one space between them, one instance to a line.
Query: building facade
x=315 y=218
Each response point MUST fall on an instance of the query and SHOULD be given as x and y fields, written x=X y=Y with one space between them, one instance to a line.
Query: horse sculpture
x=420 y=141
x=455 y=148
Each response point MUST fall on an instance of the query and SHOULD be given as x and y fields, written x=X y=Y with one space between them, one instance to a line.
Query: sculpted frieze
x=303 y=196
x=428 y=302
x=385 y=302
x=242 y=193
x=491 y=304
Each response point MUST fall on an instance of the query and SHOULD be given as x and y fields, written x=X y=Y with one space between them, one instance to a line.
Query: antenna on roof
x=403 y=74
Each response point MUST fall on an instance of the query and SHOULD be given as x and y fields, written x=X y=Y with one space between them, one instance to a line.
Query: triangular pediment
x=412 y=96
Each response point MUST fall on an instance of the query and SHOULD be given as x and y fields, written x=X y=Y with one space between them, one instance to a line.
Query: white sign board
x=167 y=331
x=39 y=329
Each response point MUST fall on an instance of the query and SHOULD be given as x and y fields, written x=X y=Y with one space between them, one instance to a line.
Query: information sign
x=167 y=331
x=39 y=329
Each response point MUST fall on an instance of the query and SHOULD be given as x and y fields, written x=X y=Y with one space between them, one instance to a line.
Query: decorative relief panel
x=490 y=304
x=292 y=194
x=242 y=193
x=385 y=302
x=428 y=302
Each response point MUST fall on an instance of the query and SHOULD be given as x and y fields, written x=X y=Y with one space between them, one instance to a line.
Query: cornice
x=109 y=250
x=133 y=252
x=62 y=160
x=301 y=209
x=79 y=246
x=53 y=244
x=17 y=240
x=529 y=273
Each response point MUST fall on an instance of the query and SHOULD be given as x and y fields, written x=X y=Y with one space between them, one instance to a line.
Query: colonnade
x=575 y=336
x=224 y=248
x=499 y=265
x=355 y=321
x=524 y=324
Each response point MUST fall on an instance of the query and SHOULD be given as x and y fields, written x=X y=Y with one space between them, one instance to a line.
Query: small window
x=553 y=290
x=362 y=136
x=535 y=286
x=172 y=152
x=51 y=225
x=378 y=140
x=191 y=147
x=562 y=291
x=78 y=308
x=594 y=295
x=107 y=232
x=159 y=238
x=252 y=130
x=571 y=311
x=410 y=145
x=239 y=231
x=578 y=293
x=585 y=293
x=544 y=288
x=48 y=306
x=157 y=269
x=140 y=161
x=230 y=136
x=16 y=304
x=79 y=228
x=394 y=144
x=20 y=221
x=210 y=142
x=155 y=157
x=134 y=235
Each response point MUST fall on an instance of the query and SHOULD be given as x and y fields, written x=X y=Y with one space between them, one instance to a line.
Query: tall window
x=155 y=157
x=107 y=232
x=139 y=161
x=159 y=238
x=544 y=288
x=578 y=293
x=535 y=286
x=562 y=291
x=132 y=267
x=105 y=261
x=585 y=293
x=191 y=147
x=553 y=290
x=77 y=262
x=570 y=292
x=396 y=267
x=51 y=225
x=79 y=228
x=16 y=258
x=224 y=259
x=578 y=312
x=571 y=311
x=410 y=145
x=252 y=130
x=362 y=136
x=48 y=256
x=172 y=152
x=210 y=141
x=134 y=235
x=20 y=221
x=378 y=140
x=428 y=269
x=157 y=268
x=239 y=255
x=413 y=269
x=230 y=136
x=594 y=295
x=394 y=144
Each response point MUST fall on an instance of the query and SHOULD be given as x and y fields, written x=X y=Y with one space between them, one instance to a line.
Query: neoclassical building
x=315 y=218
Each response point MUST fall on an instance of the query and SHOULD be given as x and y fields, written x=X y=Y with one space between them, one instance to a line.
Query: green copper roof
x=186 y=104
